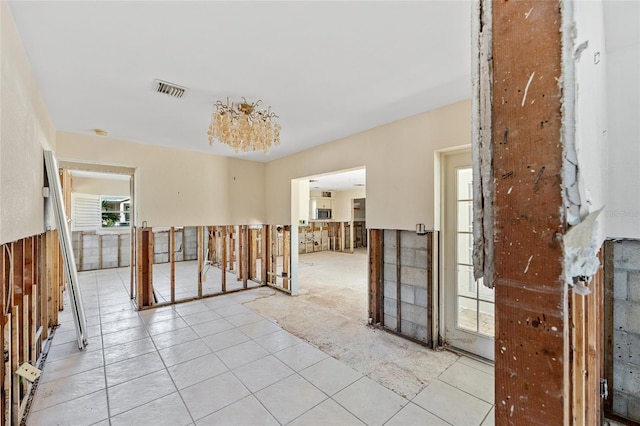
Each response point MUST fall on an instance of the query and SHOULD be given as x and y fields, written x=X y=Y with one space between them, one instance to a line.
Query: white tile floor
x=215 y=362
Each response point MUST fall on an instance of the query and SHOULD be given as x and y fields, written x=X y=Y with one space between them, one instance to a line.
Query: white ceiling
x=340 y=181
x=329 y=69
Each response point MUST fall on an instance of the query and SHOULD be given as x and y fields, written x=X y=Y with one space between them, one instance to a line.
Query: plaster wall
x=399 y=158
x=25 y=131
x=100 y=186
x=175 y=187
x=622 y=31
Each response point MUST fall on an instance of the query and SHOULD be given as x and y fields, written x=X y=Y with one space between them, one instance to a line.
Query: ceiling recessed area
x=339 y=181
x=329 y=69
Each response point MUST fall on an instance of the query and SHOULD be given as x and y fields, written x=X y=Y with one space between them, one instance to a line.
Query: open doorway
x=330 y=213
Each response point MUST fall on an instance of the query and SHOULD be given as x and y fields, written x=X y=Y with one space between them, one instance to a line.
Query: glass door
x=468 y=304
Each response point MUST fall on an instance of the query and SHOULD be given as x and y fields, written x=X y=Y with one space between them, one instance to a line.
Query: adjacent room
x=313 y=212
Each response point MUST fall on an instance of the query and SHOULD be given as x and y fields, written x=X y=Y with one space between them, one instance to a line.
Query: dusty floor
x=331 y=313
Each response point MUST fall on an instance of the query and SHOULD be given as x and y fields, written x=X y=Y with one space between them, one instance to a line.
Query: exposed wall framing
x=401 y=284
x=32 y=287
x=228 y=259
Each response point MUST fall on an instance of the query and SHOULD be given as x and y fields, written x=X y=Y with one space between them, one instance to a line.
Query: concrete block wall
x=191 y=245
x=100 y=250
x=414 y=296
x=626 y=329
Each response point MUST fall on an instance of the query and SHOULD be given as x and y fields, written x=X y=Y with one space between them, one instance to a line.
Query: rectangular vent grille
x=169 y=89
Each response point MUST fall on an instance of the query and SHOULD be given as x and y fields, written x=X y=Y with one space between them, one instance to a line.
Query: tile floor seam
x=172 y=381
x=461 y=390
x=104 y=361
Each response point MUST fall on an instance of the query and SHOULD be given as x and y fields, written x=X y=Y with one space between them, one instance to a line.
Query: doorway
x=468 y=306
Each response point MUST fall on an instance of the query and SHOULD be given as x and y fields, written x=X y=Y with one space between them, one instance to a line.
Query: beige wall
x=25 y=129
x=175 y=187
x=100 y=186
x=342 y=203
x=399 y=158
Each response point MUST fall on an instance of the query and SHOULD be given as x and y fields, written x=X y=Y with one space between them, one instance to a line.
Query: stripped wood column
x=531 y=342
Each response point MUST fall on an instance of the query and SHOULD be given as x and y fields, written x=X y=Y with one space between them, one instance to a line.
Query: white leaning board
x=69 y=263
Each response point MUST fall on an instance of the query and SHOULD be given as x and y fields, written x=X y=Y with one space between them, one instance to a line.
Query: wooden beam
x=172 y=259
x=376 y=260
x=145 y=267
x=223 y=263
x=253 y=258
x=246 y=257
x=398 y=279
x=264 y=255
x=531 y=335
x=607 y=319
x=286 y=257
x=199 y=248
x=430 y=340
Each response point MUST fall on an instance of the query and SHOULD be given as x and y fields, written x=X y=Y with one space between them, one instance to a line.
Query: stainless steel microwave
x=323 y=213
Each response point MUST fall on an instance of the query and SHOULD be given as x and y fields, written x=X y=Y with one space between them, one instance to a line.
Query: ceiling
x=329 y=69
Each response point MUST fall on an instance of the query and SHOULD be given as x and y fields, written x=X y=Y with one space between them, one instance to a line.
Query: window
x=115 y=211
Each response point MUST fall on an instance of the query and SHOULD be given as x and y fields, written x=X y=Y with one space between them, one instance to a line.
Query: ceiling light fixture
x=244 y=126
x=100 y=132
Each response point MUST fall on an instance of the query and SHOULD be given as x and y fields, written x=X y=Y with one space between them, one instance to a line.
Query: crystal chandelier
x=244 y=126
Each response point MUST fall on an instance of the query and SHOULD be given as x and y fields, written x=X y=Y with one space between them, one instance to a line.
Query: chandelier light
x=244 y=126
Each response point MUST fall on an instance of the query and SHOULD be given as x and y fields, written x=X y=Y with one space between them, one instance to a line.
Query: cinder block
x=413 y=313
x=620 y=403
x=626 y=254
x=109 y=264
x=633 y=283
x=390 y=307
x=620 y=284
x=90 y=241
x=407 y=294
x=413 y=276
x=634 y=407
x=390 y=322
x=408 y=256
x=390 y=255
x=408 y=328
x=421 y=297
x=390 y=238
x=390 y=290
x=410 y=239
x=390 y=272
x=626 y=347
x=632 y=379
x=421 y=333
x=421 y=258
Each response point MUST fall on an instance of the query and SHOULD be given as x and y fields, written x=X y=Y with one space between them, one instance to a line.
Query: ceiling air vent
x=170 y=89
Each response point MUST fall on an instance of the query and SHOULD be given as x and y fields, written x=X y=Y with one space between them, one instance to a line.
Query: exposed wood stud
x=200 y=245
x=172 y=259
x=608 y=319
x=223 y=263
x=429 y=262
x=286 y=259
x=376 y=261
x=399 y=281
